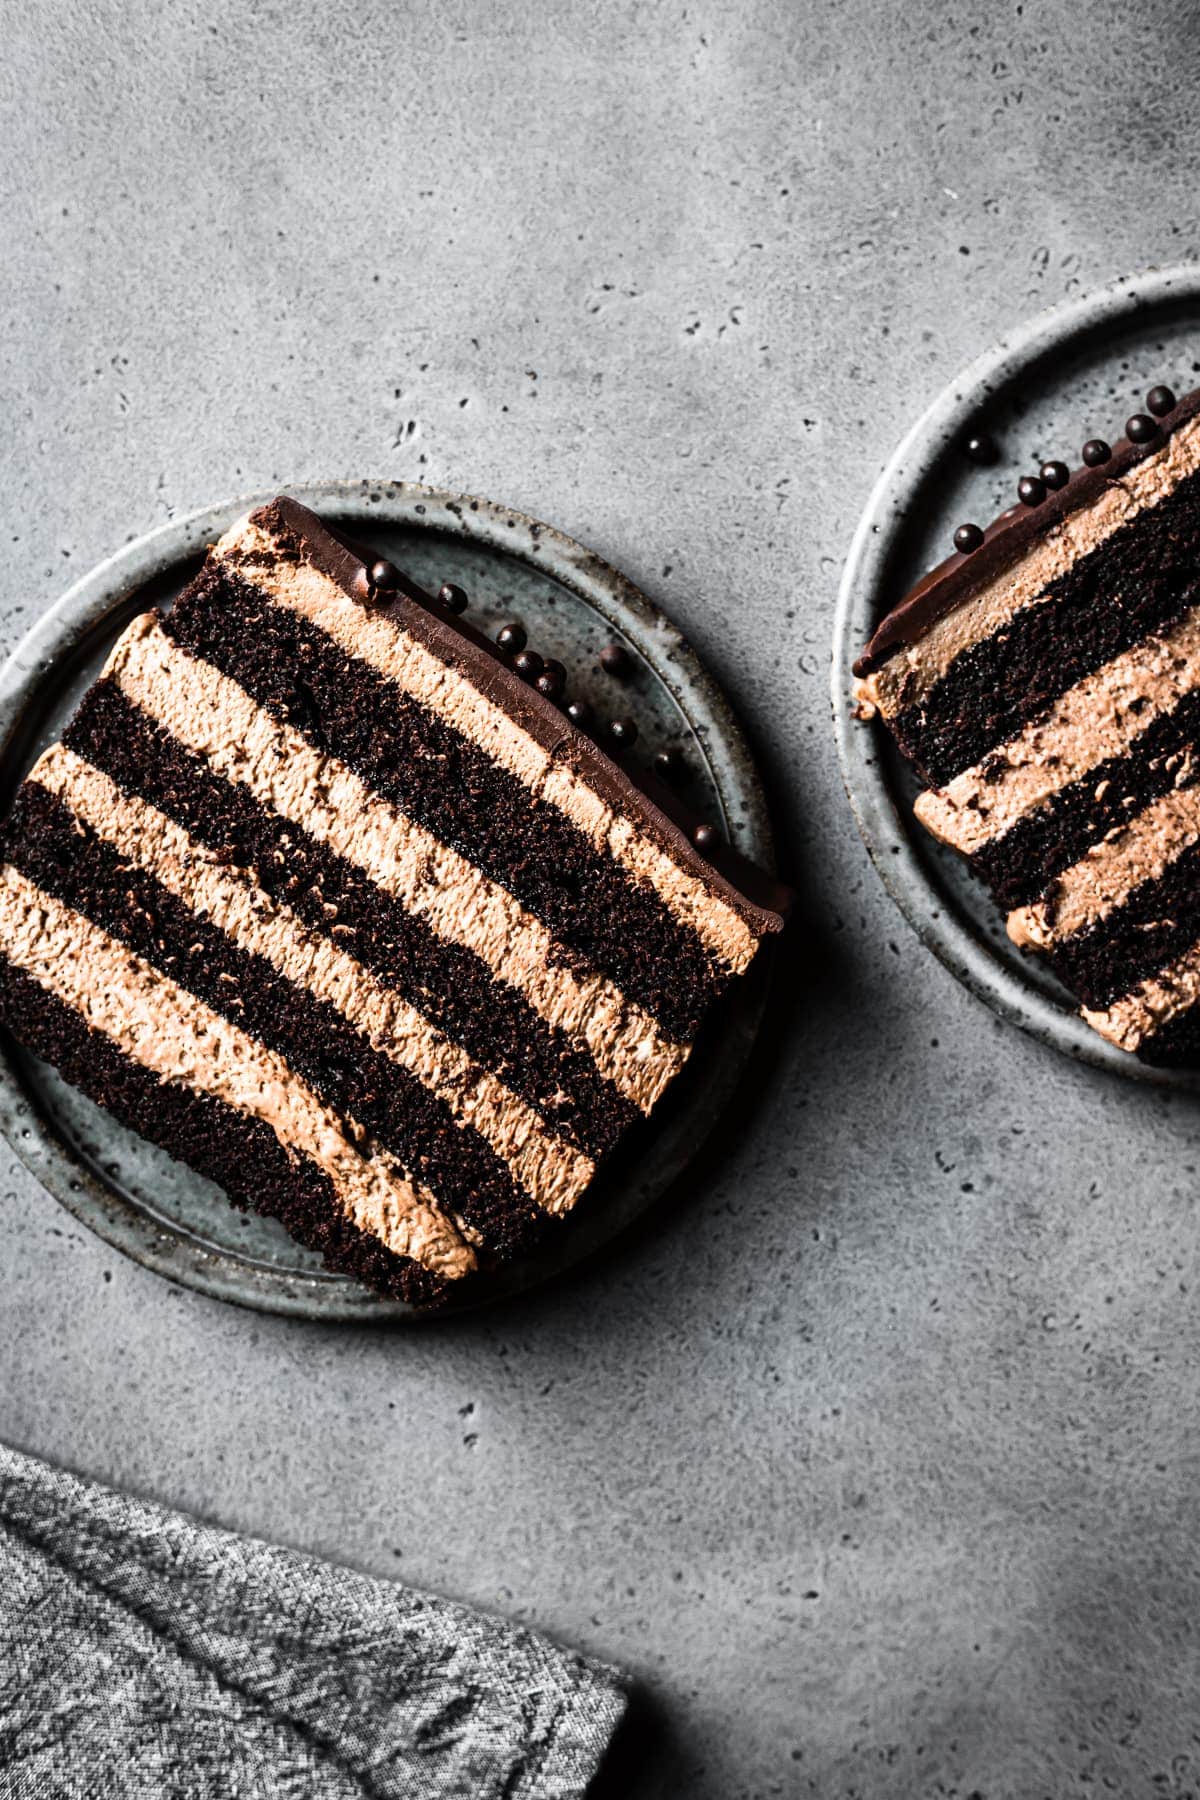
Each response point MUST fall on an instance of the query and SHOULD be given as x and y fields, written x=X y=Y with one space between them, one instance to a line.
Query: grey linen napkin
x=144 y=1654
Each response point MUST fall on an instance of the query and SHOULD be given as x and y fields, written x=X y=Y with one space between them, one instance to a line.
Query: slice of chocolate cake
x=1045 y=683
x=320 y=896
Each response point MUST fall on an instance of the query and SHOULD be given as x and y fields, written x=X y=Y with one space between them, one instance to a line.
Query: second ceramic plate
x=1070 y=374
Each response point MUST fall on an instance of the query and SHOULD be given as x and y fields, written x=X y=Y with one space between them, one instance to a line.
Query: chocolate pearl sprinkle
x=983 y=450
x=452 y=597
x=580 y=714
x=615 y=661
x=967 y=539
x=1160 y=401
x=383 y=575
x=512 y=638
x=1095 y=453
x=1055 y=474
x=553 y=678
x=706 y=837
x=1031 y=491
x=528 y=665
x=1141 y=429
x=623 y=733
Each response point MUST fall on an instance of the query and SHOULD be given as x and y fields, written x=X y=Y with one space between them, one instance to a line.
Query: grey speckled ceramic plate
x=571 y=603
x=1070 y=374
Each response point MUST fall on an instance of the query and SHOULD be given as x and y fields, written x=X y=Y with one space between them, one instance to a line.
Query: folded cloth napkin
x=143 y=1654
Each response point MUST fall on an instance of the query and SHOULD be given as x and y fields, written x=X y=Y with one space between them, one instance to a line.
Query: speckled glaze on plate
x=1075 y=372
x=571 y=604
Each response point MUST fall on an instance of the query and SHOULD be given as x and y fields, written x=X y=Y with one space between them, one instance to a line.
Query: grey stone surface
x=875 y=1463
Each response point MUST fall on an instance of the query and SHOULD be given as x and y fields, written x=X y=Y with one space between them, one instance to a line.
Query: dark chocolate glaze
x=755 y=896
x=1005 y=541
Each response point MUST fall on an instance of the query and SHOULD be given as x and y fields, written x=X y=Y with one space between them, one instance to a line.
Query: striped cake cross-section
x=1046 y=686
x=317 y=894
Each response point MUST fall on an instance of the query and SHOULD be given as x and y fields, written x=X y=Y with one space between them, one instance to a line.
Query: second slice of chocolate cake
x=319 y=896
x=1045 y=683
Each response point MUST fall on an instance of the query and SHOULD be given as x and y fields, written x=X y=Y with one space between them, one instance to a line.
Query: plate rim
x=879 y=819
x=90 y=600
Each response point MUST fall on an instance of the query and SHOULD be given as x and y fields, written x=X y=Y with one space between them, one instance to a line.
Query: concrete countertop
x=874 y=1464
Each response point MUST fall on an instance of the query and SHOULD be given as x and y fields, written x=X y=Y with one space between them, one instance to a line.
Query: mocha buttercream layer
x=241 y=1154
x=1103 y=719
x=1128 y=908
x=1160 y=1014
x=1019 y=865
x=177 y=1038
x=1105 y=877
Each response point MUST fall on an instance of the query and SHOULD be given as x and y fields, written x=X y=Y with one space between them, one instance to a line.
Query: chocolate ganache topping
x=981 y=555
x=357 y=570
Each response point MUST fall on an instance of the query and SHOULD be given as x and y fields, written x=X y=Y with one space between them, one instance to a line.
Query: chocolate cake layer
x=1126 y=907
x=1158 y=1018
x=318 y=874
x=1053 y=705
x=1102 y=719
x=1175 y=1045
x=242 y=1155
x=407 y=754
